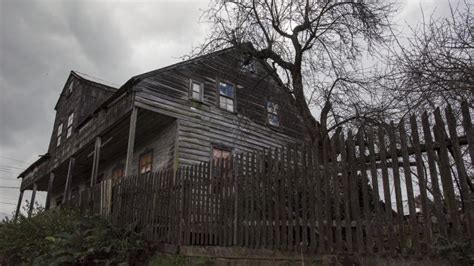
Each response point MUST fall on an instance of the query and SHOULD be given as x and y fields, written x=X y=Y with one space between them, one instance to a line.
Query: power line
x=13 y=167
x=9 y=187
x=7 y=203
x=9 y=158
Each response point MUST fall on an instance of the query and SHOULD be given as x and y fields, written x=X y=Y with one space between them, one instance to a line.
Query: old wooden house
x=194 y=111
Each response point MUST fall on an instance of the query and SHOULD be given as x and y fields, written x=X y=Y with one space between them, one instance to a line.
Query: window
x=70 y=87
x=145 y=162
x=248 y=65
x=59 y=134
x=117 y=172
x=217 y=154
x=70 y=120
x=226 y=96
x=273 y=117
x=196 y=90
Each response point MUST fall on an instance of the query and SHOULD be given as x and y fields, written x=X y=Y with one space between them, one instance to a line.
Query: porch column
x=95 y=162
x=32 y=201
x=67 y=187
x=131 y=141
x=18 y=206
x=50 y=189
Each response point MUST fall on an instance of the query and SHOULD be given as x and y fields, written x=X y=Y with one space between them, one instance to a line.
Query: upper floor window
x=59 y=134
x=248 y=65
x=145 y=162
x=227 y=96
x=273 y=116
x=70 y=120
x=70 y=87
x=196 y=91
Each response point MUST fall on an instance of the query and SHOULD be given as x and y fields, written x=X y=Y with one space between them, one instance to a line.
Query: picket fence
x=404 y=189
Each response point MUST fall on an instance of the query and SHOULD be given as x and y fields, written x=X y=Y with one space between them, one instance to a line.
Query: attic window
x=248 y=65
x=196 y=90
x=226 y=96
x=59 y=134
x=70 y=87
x=273 y=117
x=145 y=162
x=70 y=120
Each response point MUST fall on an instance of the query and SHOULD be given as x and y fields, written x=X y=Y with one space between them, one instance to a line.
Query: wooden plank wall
x=204 y=124
x=386 y=191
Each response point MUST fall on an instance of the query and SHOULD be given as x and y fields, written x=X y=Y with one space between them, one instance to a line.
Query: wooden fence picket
x=321 y=197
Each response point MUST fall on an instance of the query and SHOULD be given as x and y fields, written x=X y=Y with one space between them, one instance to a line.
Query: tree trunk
x=310 y=124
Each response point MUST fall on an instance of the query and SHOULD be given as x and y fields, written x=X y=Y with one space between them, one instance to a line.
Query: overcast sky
x=41 y=41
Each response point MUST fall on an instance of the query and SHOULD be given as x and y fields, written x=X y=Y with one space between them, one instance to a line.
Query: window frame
x=245 y=62
x=214 y=176
x=191 y=90
x=59 y=134
x=70 y=87
x=234 y=99
x=70 y=118
x=268 y=114
x=144 y=153
x=118 y=167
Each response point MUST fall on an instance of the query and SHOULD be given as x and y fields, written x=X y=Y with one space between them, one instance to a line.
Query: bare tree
x=314 y=46
x=434 y=65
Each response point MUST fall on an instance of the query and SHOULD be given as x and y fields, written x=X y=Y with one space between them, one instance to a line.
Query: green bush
x=66 y=237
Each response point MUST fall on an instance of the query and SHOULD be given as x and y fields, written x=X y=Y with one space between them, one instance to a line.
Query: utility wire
x=9 y=187
x=7 y=203
x=9 y=158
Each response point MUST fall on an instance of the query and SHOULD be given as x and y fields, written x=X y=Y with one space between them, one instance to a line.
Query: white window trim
x=191 y=90
x=277 y=113
x=70 y=122
x=234 y=99
x=59 y=134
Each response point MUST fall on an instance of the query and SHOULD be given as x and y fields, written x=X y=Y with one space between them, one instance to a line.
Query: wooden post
x=68 y=179
x=50 y=189
x=131 y=141
x=32 y=201
x=95 y=162
x=18 y=206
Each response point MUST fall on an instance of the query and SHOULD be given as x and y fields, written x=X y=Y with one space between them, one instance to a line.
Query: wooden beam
x=131 y=141
x=50 y=189
x=18 y=206
x=67 y=186
x=95 y=162
x=32 y=201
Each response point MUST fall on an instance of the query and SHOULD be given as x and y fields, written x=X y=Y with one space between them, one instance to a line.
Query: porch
x=110 y=153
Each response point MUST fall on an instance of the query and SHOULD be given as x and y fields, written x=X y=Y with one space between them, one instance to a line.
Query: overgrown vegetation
x=64 y=237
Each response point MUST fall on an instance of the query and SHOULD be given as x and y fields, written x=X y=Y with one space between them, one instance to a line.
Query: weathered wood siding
x=86 y=96
x=202 y=125
x=161 y=142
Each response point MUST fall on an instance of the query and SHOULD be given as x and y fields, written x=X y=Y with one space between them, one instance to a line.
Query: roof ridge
x=95 y=79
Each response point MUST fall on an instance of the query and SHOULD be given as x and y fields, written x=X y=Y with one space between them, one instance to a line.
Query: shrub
x=64 y=237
